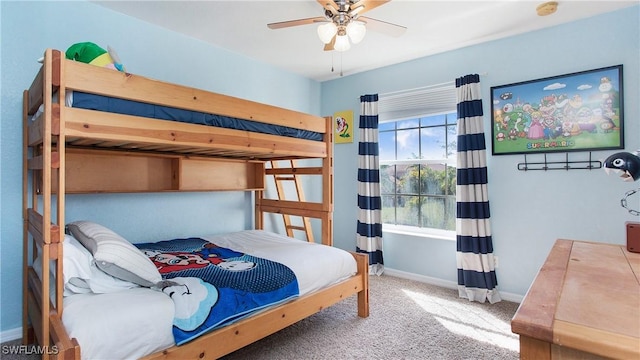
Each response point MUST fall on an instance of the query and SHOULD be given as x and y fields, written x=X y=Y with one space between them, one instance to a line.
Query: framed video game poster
x=581 y=111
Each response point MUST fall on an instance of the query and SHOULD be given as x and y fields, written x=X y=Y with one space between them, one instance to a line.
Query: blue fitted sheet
x=128 y=107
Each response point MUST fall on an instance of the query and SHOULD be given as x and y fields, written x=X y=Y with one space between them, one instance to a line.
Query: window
x=418 y=161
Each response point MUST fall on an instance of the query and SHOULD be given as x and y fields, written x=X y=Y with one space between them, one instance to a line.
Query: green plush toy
x=90 y=53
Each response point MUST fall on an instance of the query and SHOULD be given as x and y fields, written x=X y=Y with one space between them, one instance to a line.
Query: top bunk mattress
x=89 y=101
x=265 y=132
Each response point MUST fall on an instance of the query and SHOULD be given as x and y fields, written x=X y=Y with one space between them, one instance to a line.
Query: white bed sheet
x=315 y=265
x=132 y=323
x=127 y=324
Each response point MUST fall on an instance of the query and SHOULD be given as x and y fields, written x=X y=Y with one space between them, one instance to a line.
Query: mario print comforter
x=212 y=286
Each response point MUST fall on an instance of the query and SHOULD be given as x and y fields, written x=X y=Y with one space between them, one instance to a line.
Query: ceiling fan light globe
x=327 y=31
x=356 y=31
x=342 y=43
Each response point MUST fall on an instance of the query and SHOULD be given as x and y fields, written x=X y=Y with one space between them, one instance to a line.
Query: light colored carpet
x=408 y=320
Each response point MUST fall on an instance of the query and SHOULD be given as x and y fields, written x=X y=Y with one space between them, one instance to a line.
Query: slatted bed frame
x=71 y=150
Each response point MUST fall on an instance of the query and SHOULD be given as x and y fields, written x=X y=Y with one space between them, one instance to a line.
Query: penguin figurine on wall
x=626 y=163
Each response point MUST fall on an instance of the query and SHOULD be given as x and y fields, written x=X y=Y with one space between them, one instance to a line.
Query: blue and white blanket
x=212 y=286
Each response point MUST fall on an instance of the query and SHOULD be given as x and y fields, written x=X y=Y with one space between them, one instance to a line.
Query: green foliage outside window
x=421 y=194
x=424 y=196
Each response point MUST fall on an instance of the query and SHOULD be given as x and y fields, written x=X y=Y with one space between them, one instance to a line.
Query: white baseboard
x=10 y=335
x=444 y=283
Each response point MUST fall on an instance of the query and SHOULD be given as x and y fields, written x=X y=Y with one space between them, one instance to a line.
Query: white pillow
x=76 y=266
x=80 y=273
x=115 y=255
x=76 y=261
x=80 y=278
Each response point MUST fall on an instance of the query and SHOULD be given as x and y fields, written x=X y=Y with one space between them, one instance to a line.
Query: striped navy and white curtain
x=369 y=226
x=476 y=272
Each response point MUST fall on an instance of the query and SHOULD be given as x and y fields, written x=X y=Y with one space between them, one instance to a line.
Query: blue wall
x=576 y=204
x=146 y=50
x=530 y=210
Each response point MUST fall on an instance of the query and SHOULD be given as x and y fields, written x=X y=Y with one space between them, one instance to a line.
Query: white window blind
x=414 y=103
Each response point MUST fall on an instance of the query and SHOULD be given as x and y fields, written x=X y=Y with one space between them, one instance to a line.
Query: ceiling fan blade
x=329 y=5
x=383 y=26
x=290 y=23
x=329 y=46
x=368 y=5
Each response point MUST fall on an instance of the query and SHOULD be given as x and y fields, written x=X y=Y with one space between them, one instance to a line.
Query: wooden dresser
x=583 y=304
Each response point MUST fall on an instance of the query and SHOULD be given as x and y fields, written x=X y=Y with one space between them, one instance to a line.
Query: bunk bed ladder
x=289 y=175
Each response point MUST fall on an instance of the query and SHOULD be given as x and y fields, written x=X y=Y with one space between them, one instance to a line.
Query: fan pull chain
x=332 y=61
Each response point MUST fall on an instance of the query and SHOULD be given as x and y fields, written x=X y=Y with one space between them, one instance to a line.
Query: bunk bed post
x=363 y=295
x=60 y=173
x=43 y=162
x=327 y=185
x=27 y=331
x=45 y=190
x=258 y=213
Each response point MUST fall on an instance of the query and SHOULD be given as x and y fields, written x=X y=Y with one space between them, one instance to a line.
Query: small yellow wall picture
x=343 y=127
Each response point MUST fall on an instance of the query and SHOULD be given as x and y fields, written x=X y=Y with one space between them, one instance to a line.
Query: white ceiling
x=432 y=27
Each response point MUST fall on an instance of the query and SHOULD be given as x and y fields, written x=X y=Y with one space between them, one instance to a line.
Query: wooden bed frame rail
x=233 y=337
x=63 y=141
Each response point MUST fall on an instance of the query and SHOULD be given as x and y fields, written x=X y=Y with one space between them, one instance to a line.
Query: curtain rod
x=448 y=83
x=425 y=87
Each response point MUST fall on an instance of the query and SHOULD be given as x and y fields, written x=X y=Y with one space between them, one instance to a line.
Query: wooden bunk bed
x=72 y=150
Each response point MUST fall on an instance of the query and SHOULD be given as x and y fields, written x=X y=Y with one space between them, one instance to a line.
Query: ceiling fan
x=342 y=21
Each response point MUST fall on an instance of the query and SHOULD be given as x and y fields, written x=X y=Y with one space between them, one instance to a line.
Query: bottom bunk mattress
x=139 y=321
